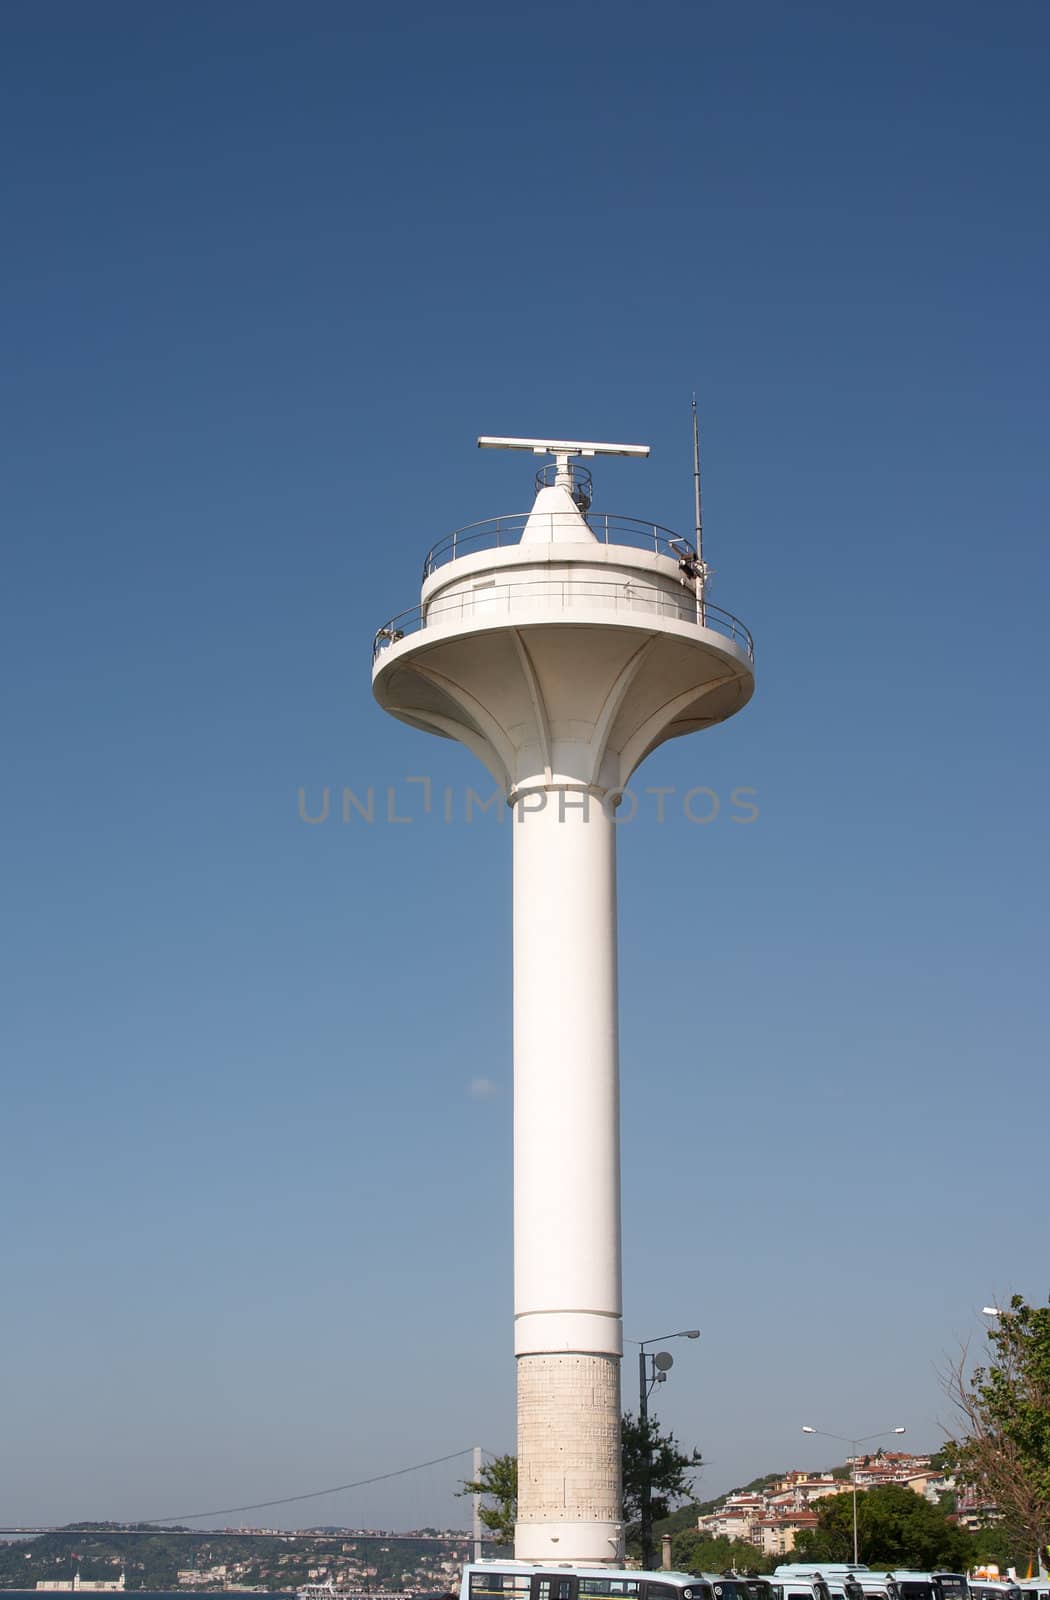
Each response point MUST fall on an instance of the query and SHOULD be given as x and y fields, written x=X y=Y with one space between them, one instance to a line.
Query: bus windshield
x=883 y=1585
x=951 y=1585
x=739 y=1589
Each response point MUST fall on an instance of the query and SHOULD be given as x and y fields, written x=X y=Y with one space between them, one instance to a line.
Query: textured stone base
x=569 y=1459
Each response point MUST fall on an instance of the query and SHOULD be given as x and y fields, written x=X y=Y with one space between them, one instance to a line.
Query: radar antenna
x=562 y=450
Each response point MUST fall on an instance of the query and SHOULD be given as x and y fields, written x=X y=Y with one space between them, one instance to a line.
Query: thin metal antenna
x=701 y=569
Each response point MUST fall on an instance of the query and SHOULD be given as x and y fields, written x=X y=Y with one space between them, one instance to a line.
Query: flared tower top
x=562 y=644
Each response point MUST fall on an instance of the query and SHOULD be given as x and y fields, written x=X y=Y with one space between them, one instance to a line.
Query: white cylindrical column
x=568 y=1333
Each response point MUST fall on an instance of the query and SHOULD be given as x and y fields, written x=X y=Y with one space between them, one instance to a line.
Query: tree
x=692 y=1551
x=670 y=1479
x=1002 y=1452
x=671 y=1474
x=895 y=1526
x=498 y=1479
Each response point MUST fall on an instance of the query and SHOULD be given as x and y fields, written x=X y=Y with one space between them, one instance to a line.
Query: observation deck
x=643 y=594
x=562 y=644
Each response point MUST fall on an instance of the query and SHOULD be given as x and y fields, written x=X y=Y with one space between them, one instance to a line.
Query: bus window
x=505 y=1585
x=554 y=1587
x=660 y=1591
x=601 y=1587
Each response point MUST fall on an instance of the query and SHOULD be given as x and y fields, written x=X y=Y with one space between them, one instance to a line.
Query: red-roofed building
x=776 y=1532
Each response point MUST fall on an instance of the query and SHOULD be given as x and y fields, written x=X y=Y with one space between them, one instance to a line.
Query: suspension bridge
x=172 y=1523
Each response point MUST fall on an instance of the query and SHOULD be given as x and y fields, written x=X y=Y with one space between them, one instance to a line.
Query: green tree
x=671 y=1478
x=895 y=1526
x=1002 y=1451
x=692 y=1551
x=498 y=1482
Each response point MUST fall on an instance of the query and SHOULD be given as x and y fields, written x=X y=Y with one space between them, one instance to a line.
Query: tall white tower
x=561 y=647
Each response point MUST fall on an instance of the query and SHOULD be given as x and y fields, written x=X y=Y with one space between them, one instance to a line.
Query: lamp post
x=652 y=1369
x=853 y=1444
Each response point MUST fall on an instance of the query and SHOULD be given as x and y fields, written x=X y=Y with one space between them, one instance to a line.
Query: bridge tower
x=561 y=646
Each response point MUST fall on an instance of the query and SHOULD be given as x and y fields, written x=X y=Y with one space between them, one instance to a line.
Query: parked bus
x=913 y=1584
x=994 y=1589
x=878 y=1585
x=848 y=1580
x=733 y=1586
x=530 y=1580
x=841 y=1578
x=796 y=1582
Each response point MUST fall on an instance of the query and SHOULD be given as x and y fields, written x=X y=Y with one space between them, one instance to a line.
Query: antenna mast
x=701 y=570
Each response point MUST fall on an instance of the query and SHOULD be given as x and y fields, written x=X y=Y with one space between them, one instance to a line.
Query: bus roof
x=582 y=1570
x=789 y=1567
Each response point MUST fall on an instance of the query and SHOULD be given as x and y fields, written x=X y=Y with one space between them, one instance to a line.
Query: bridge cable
x=315 y=1494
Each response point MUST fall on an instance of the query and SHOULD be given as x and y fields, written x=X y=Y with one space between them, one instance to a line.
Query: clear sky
x=269 y=271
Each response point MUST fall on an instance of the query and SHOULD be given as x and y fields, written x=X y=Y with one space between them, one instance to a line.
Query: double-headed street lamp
x=853 y=1443
x=652 y=1369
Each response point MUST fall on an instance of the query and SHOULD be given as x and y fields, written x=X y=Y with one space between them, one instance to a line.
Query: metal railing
x=496 y=533
x=582 y=489
x=631 y=596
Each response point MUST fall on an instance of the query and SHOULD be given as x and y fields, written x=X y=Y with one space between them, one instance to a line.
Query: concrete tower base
x=569 y=1459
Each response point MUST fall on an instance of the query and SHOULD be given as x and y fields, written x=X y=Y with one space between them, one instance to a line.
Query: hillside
x=685 y=1517
x=278 y=1562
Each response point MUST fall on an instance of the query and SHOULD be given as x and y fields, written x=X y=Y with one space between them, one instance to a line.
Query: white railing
x=497 y=600
x=497 y=533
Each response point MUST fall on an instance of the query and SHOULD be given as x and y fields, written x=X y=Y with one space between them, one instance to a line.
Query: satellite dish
x=663 y=1362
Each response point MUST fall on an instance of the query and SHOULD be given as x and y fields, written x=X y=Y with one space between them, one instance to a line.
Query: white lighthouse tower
x=561 y=646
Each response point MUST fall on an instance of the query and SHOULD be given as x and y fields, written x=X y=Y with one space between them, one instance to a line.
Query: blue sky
x=269 y=271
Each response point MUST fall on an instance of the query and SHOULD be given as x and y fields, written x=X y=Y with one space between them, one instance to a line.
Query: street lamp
x=853 y=1443
x=652 y=1369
